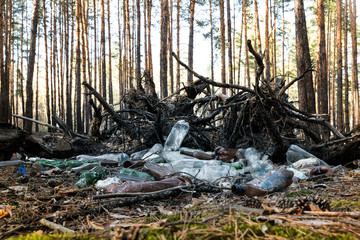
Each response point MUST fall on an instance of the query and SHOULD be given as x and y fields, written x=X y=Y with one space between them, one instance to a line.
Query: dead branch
x=211 y=82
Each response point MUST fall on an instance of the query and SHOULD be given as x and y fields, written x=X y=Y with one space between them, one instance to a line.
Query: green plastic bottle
x=88 y=178
x=63 y=164
x=237 y=166
x=134 y=173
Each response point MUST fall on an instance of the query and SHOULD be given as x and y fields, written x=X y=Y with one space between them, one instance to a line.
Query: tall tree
x=31 y=63
x=339 y=94
x=111 y=96
x=211 y=41
x=267 y=46
x=138 y=40
x=305 y=86
x=230 y=67
x=79 y=124
x=354 y=74
x=149 y=10
x=178 y=43
x=222 y=43
x=191 y=40
x=103 y=61
x=322 y=66
x=170 y=47
x=346 y=80
x=247 y=72
x=47 y=94
x=163 y=47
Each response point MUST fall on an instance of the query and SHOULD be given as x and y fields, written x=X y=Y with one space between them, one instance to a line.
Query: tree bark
x=103 y=61
x=163 y=47
x=138 y=41
x=79 y=123
x=267 y=47
x=346 y=99
x=231 y=81
x=178 y=43
x=305 y=86
x=322 y=74
x=111 y=94
x=339 y=94
x=354 y=74
x=191 y=41
x=222 y=43
x=31 y=63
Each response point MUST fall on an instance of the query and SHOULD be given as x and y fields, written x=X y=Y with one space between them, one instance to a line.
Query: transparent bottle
x=273 y=181
x=176 y=136
x=135 y=173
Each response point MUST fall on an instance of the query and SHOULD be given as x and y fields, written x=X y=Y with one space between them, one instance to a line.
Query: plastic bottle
x=296 y=153
x=256 y=166
x=63 y=164
x=197 y=154
x=273 y=181
x=156 y=149
x=135 y=173
x=176 y=136
x=120 y=157
x=89 y=178
x=150 y=186
x=159 y=172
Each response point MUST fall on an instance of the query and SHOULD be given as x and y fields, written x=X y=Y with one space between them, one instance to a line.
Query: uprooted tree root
x=261 y=117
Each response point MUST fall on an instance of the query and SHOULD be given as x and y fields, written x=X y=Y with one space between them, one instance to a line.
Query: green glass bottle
x=88 y=178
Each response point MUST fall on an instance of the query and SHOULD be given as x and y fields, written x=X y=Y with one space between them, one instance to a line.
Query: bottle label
x=274 y=183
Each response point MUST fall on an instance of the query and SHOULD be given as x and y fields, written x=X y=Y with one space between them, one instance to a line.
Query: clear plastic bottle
x=120 y=157
x=89 y=178
x=273 y=181
x=176 y=136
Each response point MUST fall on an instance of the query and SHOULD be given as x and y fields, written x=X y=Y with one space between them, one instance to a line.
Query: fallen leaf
x=6 y=212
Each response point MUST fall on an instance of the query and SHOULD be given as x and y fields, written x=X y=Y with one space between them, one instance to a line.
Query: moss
x=355 y=205
x=299 y=193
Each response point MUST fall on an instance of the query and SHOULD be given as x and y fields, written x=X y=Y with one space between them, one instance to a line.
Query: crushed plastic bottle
x=298 y=174
x=155 y=150
x=176 y=136
x=88 y=178
x=273 y=181
x=102 y=184
x=309 y=163
x=63 y=164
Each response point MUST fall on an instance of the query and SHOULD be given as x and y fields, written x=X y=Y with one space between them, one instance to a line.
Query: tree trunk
x=31 y=63
x=354 y=74
x=258 y=30
x=246 y=47
x=274 y=40
x=103 y=64
x=267 y=47
x=121 y=82
x=178 y=43
x=111 y=94
x=170 y=43
x=322 y=64
x=191 y=41
x=231 y=81
x=222 y=43
x=138 y=41
x=339 y=94
x=79 y=123
x=163 y=47
x=211 y=42
x=303 y=61
x=346 y=99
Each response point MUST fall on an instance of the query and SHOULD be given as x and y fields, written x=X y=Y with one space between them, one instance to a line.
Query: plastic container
x=197 y=154
x=88 y=178
x=120 y=157
x=273 y=181
x=86 y=166
x=298 y=174
x=176 y=136
x=319 y=170
x=135 y=173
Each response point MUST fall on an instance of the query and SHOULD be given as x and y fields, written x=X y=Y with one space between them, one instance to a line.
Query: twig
x=55 y=226
x=335 y=142
x=333 y=214
x=283 y=89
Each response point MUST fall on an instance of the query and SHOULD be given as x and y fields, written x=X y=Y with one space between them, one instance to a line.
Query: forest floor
x=26 y=200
